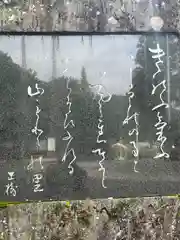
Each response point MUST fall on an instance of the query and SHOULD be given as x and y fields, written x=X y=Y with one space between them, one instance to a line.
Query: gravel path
x=153 y=178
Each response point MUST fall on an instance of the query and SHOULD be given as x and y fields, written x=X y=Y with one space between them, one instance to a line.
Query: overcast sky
x=110 y=54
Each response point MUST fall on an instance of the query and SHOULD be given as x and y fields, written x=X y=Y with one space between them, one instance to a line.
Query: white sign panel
x=51 y=144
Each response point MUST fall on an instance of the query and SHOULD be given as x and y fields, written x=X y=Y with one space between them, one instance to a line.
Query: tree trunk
x=48 y=18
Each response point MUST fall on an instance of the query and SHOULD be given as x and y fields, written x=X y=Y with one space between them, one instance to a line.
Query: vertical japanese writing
x=11 y=186
x=33 y=161
x=99 y=151
x=37 y=178
x=38 y=132
x=69 y=138
x=158 y=53
x=135 y=130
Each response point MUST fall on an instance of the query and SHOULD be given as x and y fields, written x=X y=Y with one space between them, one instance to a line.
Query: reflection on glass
x=82 y=117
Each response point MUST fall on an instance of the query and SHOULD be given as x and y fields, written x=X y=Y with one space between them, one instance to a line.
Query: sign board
x=51 y=144
x=111 y=106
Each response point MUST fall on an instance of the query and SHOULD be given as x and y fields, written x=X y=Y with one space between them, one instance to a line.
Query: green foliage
x=18 y=110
